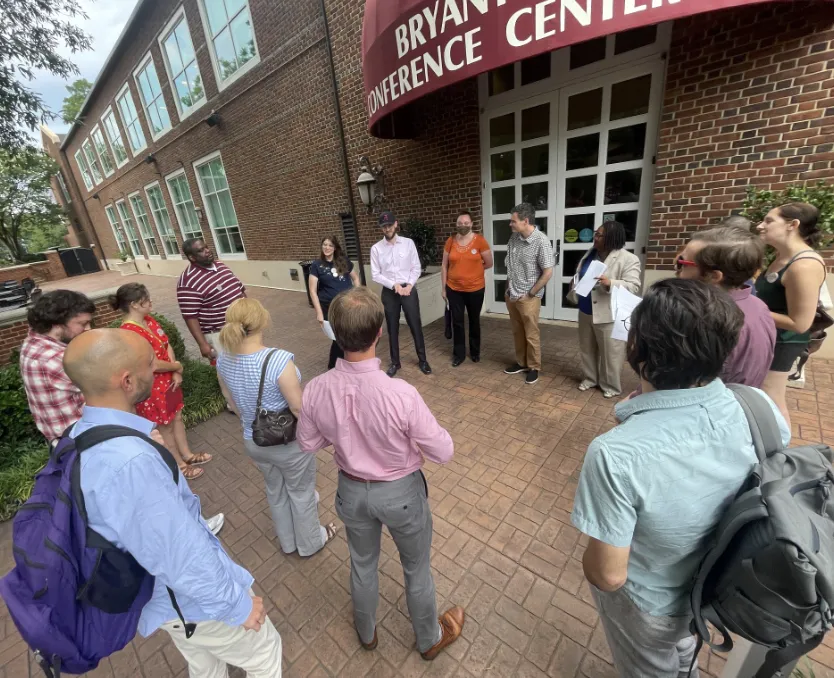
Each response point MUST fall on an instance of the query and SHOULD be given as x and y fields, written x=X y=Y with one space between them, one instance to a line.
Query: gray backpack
x=769 y=576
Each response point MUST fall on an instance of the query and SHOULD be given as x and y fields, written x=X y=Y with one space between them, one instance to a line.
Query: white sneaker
x=215 y=523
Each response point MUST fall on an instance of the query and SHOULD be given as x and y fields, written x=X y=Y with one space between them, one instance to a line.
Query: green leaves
x=77 y=93
x=759 y=202
x=424 y=240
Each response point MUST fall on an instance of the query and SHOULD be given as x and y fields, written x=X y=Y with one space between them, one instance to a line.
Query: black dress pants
x=336 y=351
x=409 y=305
x=471 y=303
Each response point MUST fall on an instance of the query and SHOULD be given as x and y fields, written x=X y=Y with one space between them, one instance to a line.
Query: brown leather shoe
x=452 y=624
x=368 y=646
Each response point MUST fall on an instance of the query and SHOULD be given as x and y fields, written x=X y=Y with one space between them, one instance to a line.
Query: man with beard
x=132 y=501
x=55 y=320
x=395 y=265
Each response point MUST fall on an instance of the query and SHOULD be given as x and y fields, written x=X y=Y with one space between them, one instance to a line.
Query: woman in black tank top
x=790 y=287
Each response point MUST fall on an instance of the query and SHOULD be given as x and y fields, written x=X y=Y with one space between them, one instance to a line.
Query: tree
x=31 y=34
x=77 y=92
x=25 y=197
x=39 y=235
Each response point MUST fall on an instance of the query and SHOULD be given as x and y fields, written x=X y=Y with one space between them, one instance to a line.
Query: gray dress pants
x=403 y=507
x=290 y=477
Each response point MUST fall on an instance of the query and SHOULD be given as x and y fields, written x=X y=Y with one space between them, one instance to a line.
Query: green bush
x=16 y=421
x=203 y=398
x=759 y=202
x=19 y=462
x=424 y=239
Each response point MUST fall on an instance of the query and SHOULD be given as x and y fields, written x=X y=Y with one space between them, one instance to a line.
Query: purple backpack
x=75 y=597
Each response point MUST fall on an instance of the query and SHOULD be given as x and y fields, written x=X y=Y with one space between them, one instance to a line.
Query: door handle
x=558 y=251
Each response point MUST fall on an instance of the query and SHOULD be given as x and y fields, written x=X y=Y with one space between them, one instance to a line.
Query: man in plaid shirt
x=55 y=319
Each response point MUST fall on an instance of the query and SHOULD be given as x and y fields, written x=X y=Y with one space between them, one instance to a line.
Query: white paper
x=595 y=270
x=328 y=331
x=623 y=304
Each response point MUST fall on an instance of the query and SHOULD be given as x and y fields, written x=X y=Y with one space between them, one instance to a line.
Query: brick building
x=218 y=117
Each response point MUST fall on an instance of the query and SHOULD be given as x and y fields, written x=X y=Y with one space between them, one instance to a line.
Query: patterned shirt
x=206 y=294
x=55 y=401
x=527 y=259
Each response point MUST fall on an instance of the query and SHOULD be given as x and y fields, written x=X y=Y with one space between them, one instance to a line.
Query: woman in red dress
x=164 y=406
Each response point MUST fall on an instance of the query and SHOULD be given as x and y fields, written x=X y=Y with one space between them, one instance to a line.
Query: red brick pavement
x=503 y=544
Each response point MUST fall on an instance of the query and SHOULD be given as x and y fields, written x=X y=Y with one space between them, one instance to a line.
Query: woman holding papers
x=605 y=266
x=331 y=274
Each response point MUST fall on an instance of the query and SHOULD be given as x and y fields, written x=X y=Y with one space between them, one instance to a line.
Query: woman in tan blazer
x=602 y=356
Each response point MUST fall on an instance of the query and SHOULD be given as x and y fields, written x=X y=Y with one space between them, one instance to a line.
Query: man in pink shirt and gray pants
x=381 y=430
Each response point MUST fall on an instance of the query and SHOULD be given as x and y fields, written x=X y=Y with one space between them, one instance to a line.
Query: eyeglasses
x=680 y=263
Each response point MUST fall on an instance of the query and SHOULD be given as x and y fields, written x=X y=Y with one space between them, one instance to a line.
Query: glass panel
x=195 y=82
x=587 y=53
x=541 y=223
x=237 y=241
x=535 y=68
x=183 y=91
x=501 y=79
x=570 y=260
x=155 y=120
x=581 y=191
x=503 y=199
x=233 y=7
x=631 y=97
x=145 y=87
x=622 y=186
x=627 y=219
x=501 y=232
x=500 y=290
x=216 y=211
x=502 y=130
x=535 y=160
x=503 y=166
x=222 y=240
x=216 y=15
x=184 y=42
x=585 y=109
x=583 y=224
x=172 y=51
x=535 y=122
x=225 y=50
x=634 y=39
x=229 y=216
x=243 y=37
x=565 y=290
x=626 y=143
x=500 y=259
x=582 y=152
x=535 y=194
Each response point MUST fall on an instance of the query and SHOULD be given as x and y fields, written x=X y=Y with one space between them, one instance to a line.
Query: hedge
x=23 y=451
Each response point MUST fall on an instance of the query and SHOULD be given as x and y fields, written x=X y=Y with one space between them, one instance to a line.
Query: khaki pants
x=524 y=316
x=602 y=356
x=214 y=645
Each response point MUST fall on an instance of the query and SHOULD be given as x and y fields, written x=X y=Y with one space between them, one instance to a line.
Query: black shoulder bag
x=272 y=428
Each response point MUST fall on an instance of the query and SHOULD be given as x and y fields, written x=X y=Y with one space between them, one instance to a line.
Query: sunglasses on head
x=680 y=263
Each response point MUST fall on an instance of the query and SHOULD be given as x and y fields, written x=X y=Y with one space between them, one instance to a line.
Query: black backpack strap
x=189 y=627
x=263 y=379
x=763 y=425
x=775 y=660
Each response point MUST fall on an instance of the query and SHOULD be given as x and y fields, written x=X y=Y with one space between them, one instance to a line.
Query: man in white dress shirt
x=396 y=266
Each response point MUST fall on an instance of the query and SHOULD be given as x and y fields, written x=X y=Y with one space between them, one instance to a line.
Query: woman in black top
x=331 y=274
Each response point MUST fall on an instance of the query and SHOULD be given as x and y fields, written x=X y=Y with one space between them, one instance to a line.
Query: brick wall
x=39 y=271
x=749 y=102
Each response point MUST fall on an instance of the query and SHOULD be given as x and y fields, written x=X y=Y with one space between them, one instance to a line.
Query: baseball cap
x=387 y=218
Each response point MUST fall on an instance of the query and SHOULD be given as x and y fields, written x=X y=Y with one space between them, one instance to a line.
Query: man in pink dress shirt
x=381 y=431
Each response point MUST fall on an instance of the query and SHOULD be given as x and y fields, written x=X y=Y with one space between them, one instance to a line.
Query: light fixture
x=199 y=212
x=214 y=119
x=150 y=159
x=371 y=183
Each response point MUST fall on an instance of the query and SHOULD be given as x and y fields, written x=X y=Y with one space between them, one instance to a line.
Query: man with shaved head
x=132 y=502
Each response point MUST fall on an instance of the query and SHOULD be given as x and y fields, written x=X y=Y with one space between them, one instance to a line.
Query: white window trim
x=62 y=184
x=243 y=70
x=86 y=177
x=99 y=129
x=125 y=91
x=89 y=140
x=149 y=186
x=141 y=252
x=180 y=15
x=148 y=58
x=112 y=111
x=115 y=227
x=174 y=175
x=202 y=161
x=154 y=235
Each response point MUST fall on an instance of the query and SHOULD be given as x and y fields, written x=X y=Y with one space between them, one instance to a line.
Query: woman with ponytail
x=289 y=473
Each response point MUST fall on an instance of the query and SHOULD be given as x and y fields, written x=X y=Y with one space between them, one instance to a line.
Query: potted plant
x=424 y=239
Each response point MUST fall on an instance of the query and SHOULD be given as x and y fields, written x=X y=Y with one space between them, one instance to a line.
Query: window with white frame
x=114 y=136
x=162 y=219
x=92 y=161
x=102 y=151
x=184 y=205
x=130 y=119
x=181 y=64
x=63 y=185
x=117 y=231
x=130 y=230
x=211 y=176
x=144 y=224
x=150 y=93
x=231 y=37
x=84 y=169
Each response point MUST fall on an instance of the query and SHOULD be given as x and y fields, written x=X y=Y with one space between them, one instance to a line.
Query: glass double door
x=581 y=154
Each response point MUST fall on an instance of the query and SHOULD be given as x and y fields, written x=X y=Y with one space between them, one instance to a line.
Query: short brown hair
x=736 y=252
x=356 y=316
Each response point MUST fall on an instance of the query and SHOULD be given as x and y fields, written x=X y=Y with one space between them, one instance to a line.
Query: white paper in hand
x=328 y=331
x=623 y=303
x=595 y=270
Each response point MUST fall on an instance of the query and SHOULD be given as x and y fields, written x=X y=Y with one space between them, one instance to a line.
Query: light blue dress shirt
x=661 y=481
x=132 y=501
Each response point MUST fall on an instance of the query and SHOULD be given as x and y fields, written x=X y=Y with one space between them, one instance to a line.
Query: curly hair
x=57 y=308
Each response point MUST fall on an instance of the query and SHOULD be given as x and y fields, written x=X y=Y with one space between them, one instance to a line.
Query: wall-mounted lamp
x=199 y=212
x=214 y=119
x=96 y=196
x=371 y=183
x=150 y=159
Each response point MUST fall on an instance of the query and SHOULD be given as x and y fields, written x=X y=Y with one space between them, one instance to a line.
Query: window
x=102 y=151
x=211 y=176
x=150 y=94
x=92 y=161
x=63 y=185
x=232 y=38
x=114 y=224
x=144 y=224
x=114 y=136
x=130 y=231
x=162 y=219
x=181 y=63
x=84 y=169
x=184 y=206
x=130 y=118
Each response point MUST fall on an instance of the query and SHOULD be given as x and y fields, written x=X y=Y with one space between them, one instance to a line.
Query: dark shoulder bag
x=272 y=428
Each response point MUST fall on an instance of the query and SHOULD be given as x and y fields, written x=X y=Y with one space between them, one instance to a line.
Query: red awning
x=413 y=47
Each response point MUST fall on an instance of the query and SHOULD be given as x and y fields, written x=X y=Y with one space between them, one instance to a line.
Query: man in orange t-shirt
x=465 y=258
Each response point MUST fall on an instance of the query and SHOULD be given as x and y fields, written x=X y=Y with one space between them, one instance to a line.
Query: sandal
x=330 y=529
x=198 y=459
x=190 y=472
